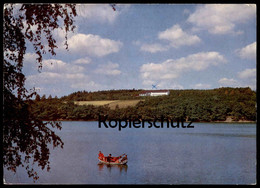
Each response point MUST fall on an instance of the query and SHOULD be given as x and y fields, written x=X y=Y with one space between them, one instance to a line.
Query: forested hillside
x=195 y=105
x=102 y=95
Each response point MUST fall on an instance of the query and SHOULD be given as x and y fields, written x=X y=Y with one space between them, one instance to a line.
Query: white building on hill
x=154 y=93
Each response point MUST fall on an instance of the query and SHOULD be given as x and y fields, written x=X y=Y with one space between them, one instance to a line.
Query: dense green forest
x=102 y=95
x=195 y=105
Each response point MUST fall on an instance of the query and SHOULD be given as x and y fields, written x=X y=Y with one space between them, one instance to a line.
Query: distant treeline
x=102 y=95
x=195 y=105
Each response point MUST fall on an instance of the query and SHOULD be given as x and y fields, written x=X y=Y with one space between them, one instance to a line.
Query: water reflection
x=122 y=168
x=222 y=134
x=208 y=154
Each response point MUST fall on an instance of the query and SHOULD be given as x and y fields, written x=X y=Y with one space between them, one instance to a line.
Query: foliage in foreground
x=26 y=138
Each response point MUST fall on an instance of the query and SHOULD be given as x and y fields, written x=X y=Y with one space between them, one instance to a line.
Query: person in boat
x=109 y=157
x=124 y=158
x=117 y=159
x=101 y=155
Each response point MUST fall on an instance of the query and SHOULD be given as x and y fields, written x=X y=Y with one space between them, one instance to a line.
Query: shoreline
x=225 y=121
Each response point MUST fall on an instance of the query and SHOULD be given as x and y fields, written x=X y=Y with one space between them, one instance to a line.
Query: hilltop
x=231 y=104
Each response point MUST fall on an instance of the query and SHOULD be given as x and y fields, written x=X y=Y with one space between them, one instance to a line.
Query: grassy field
x=111 y=103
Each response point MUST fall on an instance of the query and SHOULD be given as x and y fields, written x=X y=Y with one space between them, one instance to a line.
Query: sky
x=172 y=46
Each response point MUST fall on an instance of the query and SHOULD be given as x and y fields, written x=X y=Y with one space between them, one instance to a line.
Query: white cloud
x=86 y=85
x=56 y=70
x=43 y=78
x=153 y=48
x=51 y=82
x=247 y=73
x=93 y=45
x=58 y=66
x=60 y=34
x=202 y=86
x=30 y=58
x=136 y=42
x=82 y=61
x=172 y=69
x=102 y=13
x=247 y=79
x=171 y=84
x=108 y=69
x=228 y=82
x=52 y=65
x=186 y=11
x=221 y=18
x=59 y=76
x=248 y=52
x=177 y=37
x=162 y=84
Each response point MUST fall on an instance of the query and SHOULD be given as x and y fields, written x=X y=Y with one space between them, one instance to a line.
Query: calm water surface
x=220 y=153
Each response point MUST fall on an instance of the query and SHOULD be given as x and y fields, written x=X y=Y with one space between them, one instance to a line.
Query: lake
x=209 y=153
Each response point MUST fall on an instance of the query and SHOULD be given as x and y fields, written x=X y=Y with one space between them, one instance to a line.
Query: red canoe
x=114 y=160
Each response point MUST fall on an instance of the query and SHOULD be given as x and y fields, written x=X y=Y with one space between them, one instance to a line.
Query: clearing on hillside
x=111 y=103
